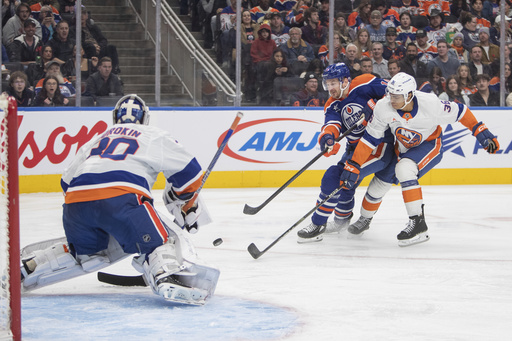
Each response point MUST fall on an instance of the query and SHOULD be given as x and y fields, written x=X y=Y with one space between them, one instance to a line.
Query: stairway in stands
x=136 y=54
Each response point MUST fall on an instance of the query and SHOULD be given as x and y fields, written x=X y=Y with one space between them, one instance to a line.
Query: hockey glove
x=186 y=217
x=350 y=174
x=486 y=138
x=368 y=111
x=327 y=140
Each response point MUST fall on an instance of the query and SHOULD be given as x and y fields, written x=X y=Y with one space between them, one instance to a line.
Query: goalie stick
x=253 y=210
x=256 y=253
x=139 y=280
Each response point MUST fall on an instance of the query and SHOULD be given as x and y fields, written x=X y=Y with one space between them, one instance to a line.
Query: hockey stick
x=208 y=170
x=253 y=210
x=139 y=280
x=125 y=281
x=256 y=253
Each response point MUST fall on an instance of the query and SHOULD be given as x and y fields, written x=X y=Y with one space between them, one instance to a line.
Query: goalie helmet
x=402 y=84
x=337 y=71
x=131 y=109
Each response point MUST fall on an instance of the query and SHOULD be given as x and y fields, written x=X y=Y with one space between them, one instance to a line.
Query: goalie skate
x=338 y=225
x=415 y=232
x=311 y=233
x=173 y=290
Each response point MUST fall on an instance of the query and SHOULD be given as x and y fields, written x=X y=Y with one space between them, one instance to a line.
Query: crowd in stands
x=451 y=47
x=39 y=54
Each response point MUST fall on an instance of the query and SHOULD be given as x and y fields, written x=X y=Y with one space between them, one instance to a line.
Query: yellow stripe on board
x=312 y=178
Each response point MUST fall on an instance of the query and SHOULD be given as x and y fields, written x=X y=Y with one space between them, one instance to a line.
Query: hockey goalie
x=108 y=213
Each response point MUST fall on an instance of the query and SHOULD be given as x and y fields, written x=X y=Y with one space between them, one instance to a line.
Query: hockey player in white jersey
x=414 y=119
x=108 y=212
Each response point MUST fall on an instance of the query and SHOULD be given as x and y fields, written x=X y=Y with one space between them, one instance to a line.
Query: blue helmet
x=337 y=71
x=131 y=109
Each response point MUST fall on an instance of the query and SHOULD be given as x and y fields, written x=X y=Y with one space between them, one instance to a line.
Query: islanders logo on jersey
x=350 y=114
x=409 y=138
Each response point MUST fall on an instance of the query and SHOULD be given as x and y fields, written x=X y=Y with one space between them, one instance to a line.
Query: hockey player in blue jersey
x=108 y=212
x=349 y=100
x=414 y=118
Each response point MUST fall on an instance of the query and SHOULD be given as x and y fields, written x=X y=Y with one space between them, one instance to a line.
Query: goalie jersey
x=127 y=158
x=344 y=113
x=412 y=128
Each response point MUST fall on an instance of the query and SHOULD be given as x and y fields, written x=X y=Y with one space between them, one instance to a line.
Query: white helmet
x=131 y=109
x=402 y=84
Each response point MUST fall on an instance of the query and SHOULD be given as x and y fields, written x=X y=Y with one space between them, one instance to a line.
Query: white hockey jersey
x=412 y=128
x=127 y=158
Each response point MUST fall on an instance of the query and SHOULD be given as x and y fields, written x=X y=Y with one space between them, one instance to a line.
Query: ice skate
x=362 y=224
x=338 y=225
x=172 y=289
x=415 y=232
x=311 y=233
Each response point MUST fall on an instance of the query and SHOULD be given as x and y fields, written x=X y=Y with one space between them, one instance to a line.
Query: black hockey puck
x=217 y=242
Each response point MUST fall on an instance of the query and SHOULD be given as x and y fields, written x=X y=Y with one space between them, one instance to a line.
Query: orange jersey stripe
x=430 y=156
x=99 y=194
x=411 y=195
x=156 y=220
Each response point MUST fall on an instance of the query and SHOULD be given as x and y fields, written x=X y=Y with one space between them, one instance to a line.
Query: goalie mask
x=131 y=109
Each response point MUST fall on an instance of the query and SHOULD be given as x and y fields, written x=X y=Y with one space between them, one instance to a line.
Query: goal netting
x=10 y=316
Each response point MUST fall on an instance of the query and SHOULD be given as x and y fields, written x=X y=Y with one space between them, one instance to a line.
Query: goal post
x=10 y=280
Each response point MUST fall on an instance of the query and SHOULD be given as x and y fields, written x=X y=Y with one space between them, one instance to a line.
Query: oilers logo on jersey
x=409 y=138
x=350 y=114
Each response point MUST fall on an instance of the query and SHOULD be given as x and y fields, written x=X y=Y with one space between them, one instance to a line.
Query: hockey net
x=10 y=308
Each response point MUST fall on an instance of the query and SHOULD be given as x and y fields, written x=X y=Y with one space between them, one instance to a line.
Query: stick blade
x=125 y=281
x=253 y=250
x=251 y=210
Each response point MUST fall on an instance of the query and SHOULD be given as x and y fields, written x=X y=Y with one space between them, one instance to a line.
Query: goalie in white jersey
x=108 y=212
x=414 y=119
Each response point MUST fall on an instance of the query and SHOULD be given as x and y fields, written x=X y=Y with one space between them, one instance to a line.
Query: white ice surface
x=457 y=286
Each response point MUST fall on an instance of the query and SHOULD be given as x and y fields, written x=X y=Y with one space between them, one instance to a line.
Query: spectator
x=280 y=32
x=298 y=52
x=47 y=22
x=495 y=81
x=14 y=26
x=447 y=62
x=66 y=87
x=18 y=88
x=66 y=8
x=103 y=82
x=8 y=10
x=426 y=5
x=366 y=66
x=50 y=95
x=94 y=43
x=435 y=83
x=457 y=7
x=277 y=67
x=389 y=16
x=27 y=46
x=323 y=13
x=313 y=32
x=339 y=51
x=351 y=60
x=426 y=51
x=391 y=48
x=410 y=6
x=412 y=66
x=284 y=5
x=340 y=25
x=476 y=67
x=454 y=92
x=309 y=96
x=469 y=26
x=458 y=49
x=361 y=16
x=62 y=43
x=262 y=48
x=393 y=67
x=437 y=29
x=227 y=22
x=376 y=30
x=466 y=81
x=495 y=30
x=476 y=9
x=87 y=67
x=490 y=52
x=37 y=71
x=406 y=32
x=295 y=16
x=263 y=11
x=484 y=97
x=36 y=10
x=363 y=43
x=379 y=64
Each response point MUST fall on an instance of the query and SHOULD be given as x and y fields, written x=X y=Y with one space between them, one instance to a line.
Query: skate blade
x=420 y=238
x=184 y=296
x=309 y=240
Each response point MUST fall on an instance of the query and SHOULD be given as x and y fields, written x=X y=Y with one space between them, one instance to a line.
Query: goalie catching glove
x=186 y=212
x=486 y=139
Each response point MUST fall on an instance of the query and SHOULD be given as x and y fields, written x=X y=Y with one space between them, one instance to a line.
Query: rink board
x=269 y=146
